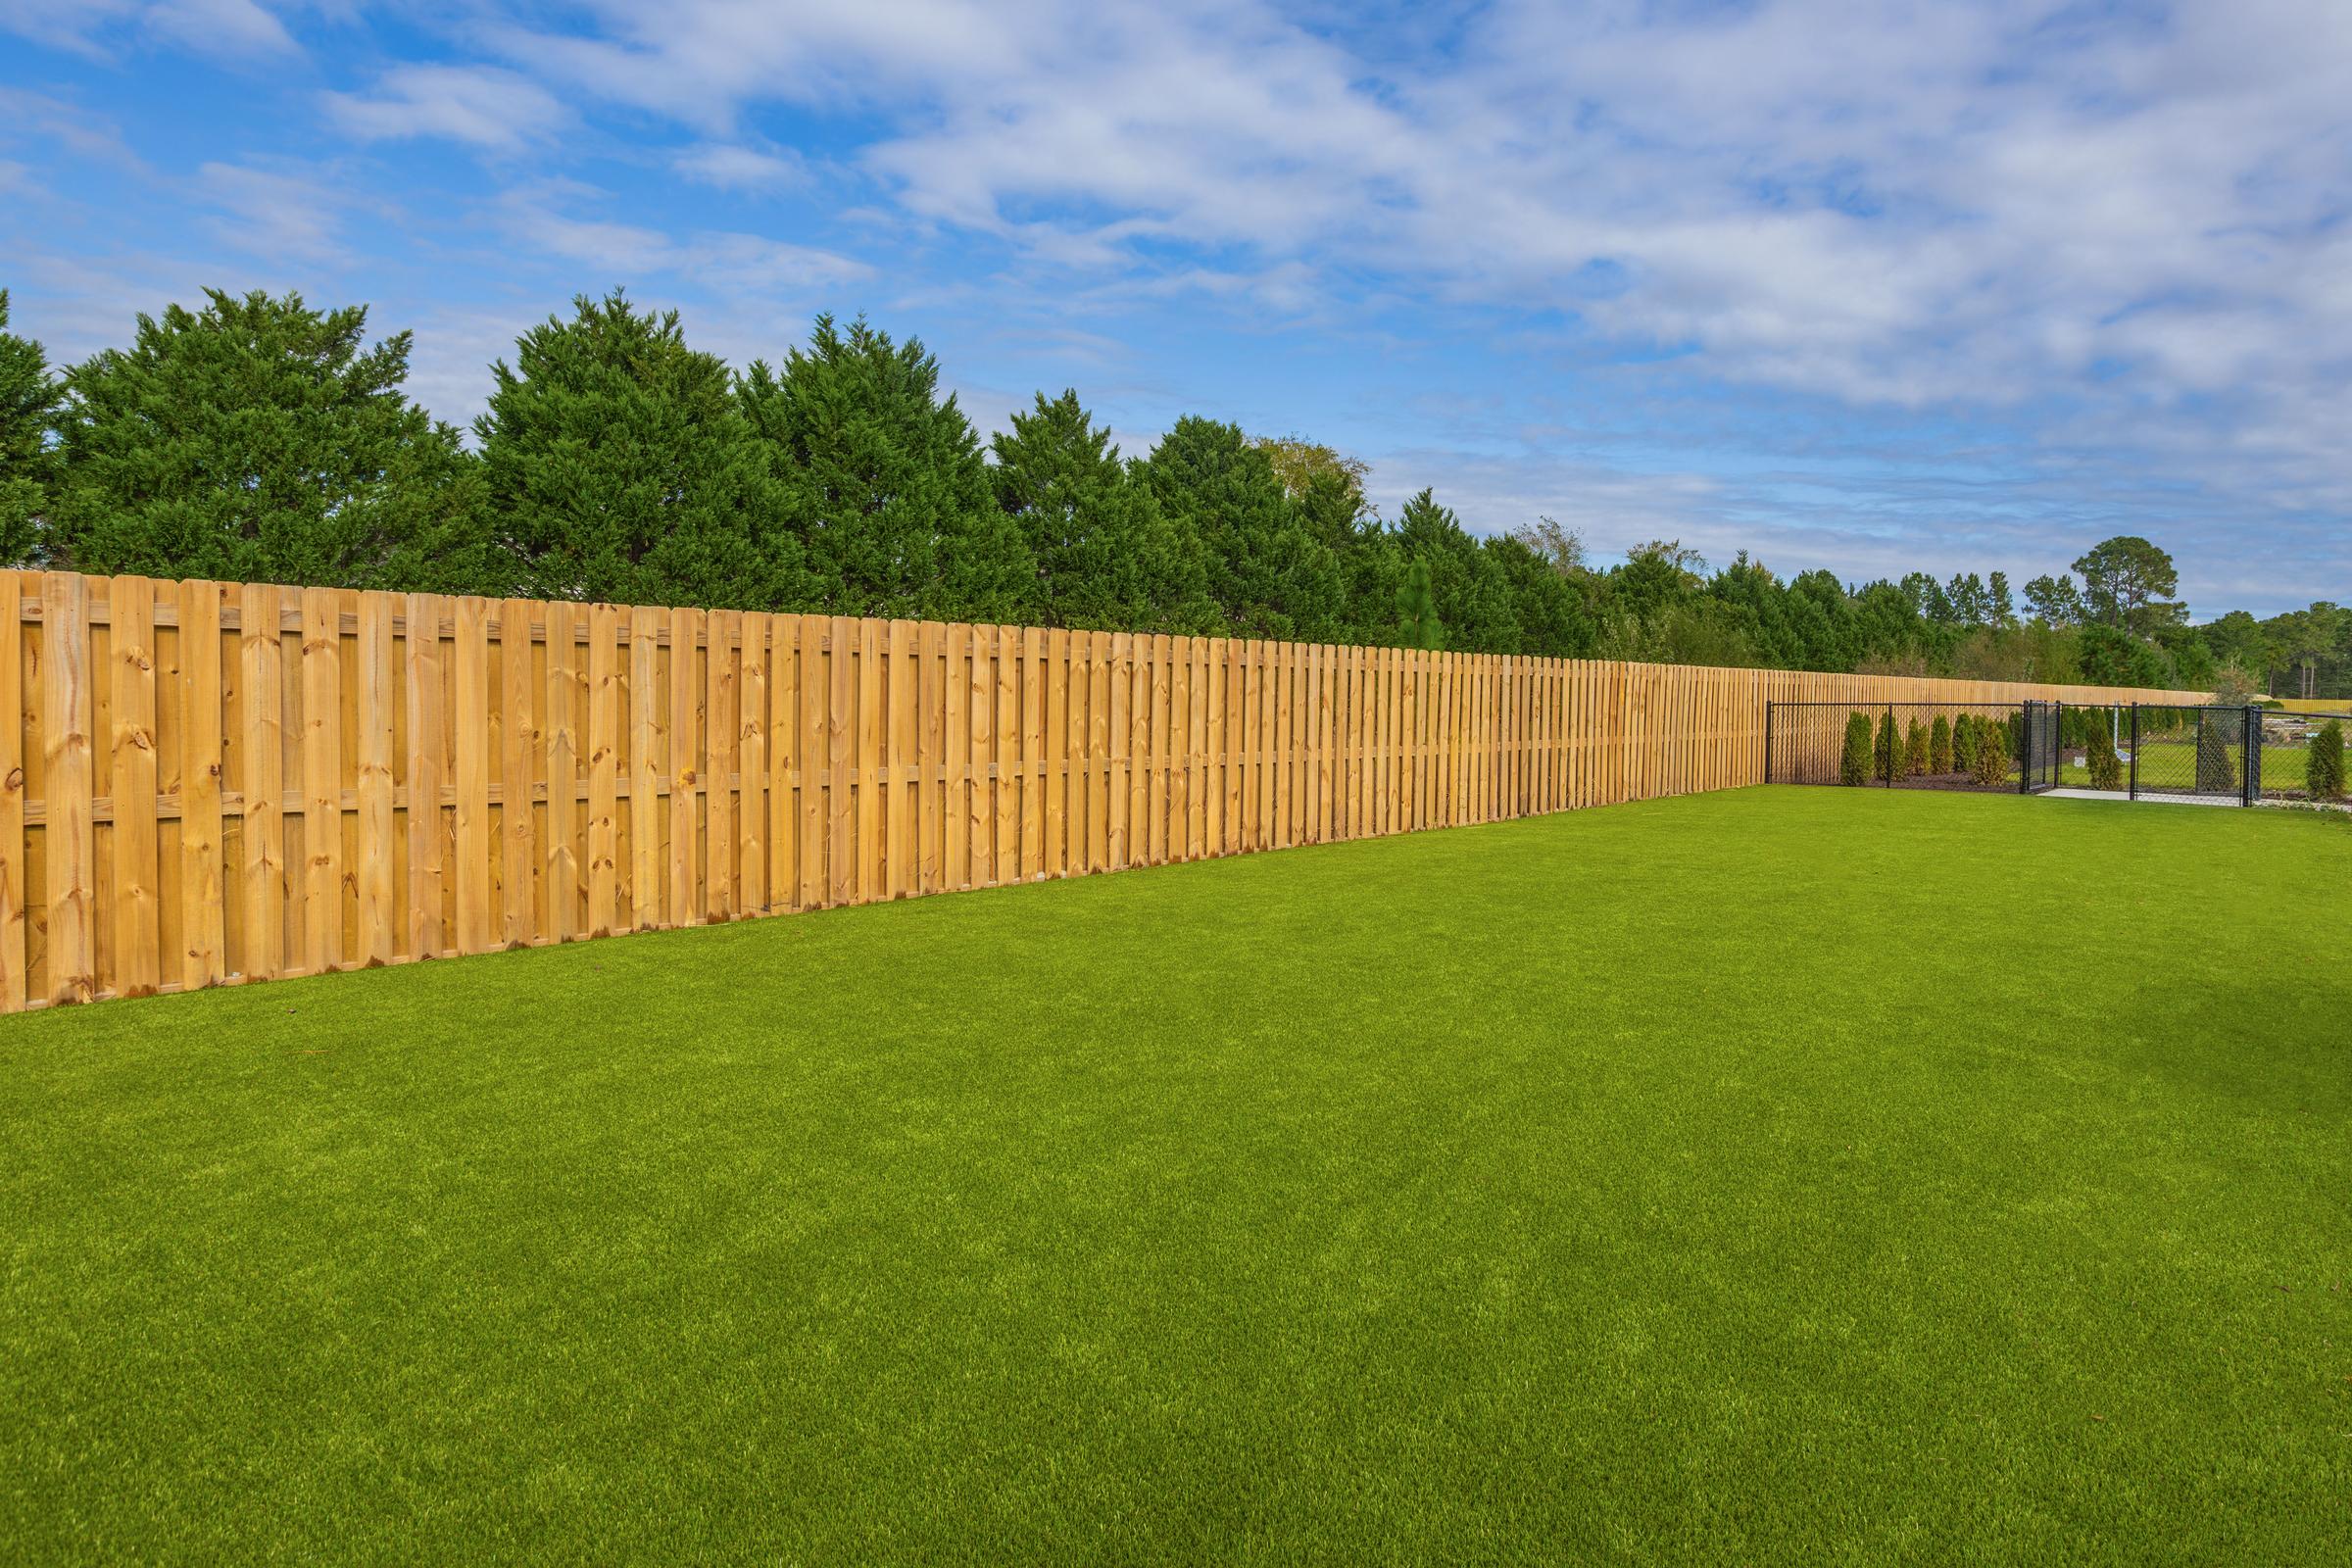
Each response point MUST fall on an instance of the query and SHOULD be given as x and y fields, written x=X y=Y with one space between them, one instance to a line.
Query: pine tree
x=1939 y=746
x=27 y=407
x=1105 y=557
x=1886 y=755
x=1853 y=762
x=1417 y=624
x=885 y=484
x=1271 y=577
x=620 y=470
x=261 y=440
x=2323 y=764
x=1915 y=748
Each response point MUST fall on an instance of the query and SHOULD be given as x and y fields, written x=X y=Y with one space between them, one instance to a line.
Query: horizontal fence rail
x=210 y=783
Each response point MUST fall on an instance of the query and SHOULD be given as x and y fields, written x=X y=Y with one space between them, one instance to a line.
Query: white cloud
x=481 y=104
x=269 y=214
x=733 y=166
x=750 y=268
x=226 y=29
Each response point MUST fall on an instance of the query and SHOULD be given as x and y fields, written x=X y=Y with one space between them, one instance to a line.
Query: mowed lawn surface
x=1786 y=1175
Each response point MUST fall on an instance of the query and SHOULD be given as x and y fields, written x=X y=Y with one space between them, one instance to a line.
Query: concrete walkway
x=2120 y=795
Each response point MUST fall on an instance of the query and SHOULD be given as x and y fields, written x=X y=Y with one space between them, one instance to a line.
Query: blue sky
x=1853 y=283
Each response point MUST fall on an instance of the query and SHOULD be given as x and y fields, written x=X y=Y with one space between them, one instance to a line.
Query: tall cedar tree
x=1886 y=755
x=1269 y=575
x=885 y=484
x=620 y=470
x=261 y=440
x=1105 y=558
x=1915 y=748
x=2323 y=766
x=1939 y=746
x=2102 y=763
x=28 y=405
x=1854 y=761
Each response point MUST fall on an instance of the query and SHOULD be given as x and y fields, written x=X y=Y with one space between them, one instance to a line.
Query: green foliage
x=1853 y=762
x=884 y=484
x=1963 y=743
x=1939 y=746
x=2105 y=767
x=1991 y=753
x=1105 y=557
x=1417 y=624
x=258 y=439
x=622 y=470
x=2324 y=762
x=1268 y=574
x=27 y=407
x=261 y=440
x=2125 y=581
x=1915 y=748
x=2218 y=735
x=1886 y=751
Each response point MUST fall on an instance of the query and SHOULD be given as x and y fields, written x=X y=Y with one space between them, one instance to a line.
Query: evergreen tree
x=1417 y=624
x=1886 y=755
x=621 y=470
x=1853 y=762
x=1915 y=748
x=261 y=440
x=2218 y=731
x=2104 y=767
x=2323 y=764
x=1546 y=607
x=1271 y=577
x=1992 y=752
x=1939 y=746
x=1105 y=557
x=1473 y=593
x=885 y=483
x=28 y=406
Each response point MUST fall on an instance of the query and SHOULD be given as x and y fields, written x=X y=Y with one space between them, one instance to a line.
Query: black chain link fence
x=2236 y=754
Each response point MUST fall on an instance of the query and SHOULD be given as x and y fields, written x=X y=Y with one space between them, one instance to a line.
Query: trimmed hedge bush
x=1915 y=748
x=2323 y=764
x=1886 y=756
x=1939 y=746
x=1853 y=764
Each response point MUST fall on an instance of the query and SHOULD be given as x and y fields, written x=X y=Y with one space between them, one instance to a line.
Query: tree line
x=257 y=438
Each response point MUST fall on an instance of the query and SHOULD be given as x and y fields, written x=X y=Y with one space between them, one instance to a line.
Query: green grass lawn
x=1812 y=1175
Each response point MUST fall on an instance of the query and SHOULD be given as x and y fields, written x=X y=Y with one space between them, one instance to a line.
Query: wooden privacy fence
x=213 y=782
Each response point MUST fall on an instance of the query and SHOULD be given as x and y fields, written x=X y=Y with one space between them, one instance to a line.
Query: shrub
x=2106 y=768
x=2323 y=764
x=1964 y=744
x=2216 y=769
x=1853 y=765
x=1939 y=746
x=1885 y=753
x=1992 y=753
x=1916 y=748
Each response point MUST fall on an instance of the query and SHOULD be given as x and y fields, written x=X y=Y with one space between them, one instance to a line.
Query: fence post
x=2131 y=791
x=2250 y=740
x=1768 y=708
x=1890 y=745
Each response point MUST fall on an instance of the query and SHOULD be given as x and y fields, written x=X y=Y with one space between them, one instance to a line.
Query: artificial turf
x=1824 y=1175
